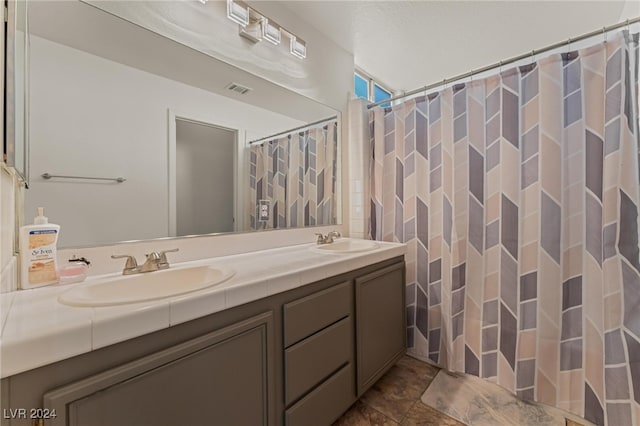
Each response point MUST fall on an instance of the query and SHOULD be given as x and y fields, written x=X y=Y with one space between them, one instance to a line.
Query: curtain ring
x=471 y=76
x=500 y=67
x=604 y=34
x=444 y=84
x=533 y=56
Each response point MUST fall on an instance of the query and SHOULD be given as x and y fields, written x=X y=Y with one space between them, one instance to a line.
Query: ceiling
x=408 y=44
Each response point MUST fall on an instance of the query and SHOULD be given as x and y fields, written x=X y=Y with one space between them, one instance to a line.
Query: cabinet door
x=380 y=323
x=222 y=378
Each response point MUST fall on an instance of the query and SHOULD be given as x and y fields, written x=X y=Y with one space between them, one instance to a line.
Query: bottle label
x=42 y=252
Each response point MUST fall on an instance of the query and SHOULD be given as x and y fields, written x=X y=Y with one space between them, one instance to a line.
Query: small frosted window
x=361 y=87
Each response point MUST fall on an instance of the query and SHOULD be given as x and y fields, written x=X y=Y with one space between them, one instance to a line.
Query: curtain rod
x=324 y=120
x=508 y=61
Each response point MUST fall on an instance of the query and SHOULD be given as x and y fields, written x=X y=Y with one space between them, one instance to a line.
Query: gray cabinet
x=219 y=378
x=319 y=379
x=380 y=315
x=301 y=357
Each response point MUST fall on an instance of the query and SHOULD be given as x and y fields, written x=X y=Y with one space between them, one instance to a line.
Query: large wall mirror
x=134 y=136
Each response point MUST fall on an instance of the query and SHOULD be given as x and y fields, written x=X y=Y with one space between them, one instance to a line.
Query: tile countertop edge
x=54 y=328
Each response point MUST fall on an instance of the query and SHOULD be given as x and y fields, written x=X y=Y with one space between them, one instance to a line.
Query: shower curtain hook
x=500 y=68
x=471 y=76
x=444 y=84
x=604 y=34
x=533 y=56
x=569 y=45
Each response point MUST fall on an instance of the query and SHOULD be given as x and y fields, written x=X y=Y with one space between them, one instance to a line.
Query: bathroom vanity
x=300 y=356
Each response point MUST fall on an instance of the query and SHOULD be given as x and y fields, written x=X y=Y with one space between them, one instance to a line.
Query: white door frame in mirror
x=15 y=89
x=239 y=156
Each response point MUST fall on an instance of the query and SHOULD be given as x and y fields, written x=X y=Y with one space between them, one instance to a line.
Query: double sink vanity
x=286 y=336
x=280 y=336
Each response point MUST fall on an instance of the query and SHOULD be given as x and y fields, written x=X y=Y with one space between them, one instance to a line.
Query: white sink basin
x=144 y=287
x=346 y=246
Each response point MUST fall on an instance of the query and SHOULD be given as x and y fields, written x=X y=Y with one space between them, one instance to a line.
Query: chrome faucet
x=151 y=263
x=328 y=239
x=155 y=261
x=131 y=267
x=163 y=263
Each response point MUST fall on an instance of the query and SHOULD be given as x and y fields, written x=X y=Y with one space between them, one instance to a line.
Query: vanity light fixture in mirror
x=271 y=31
x=253 y=30
x=255 y=27
x=238 y=12
x=298 y=48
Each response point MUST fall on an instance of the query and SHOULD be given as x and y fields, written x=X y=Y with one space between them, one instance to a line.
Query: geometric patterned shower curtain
x=518 y=198
x=268 y=168
x=296 y=174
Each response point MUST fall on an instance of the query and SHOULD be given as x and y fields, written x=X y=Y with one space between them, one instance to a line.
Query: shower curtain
x=518 y=197
x=296 y=175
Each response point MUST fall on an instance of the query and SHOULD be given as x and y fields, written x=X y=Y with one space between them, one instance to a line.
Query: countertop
x=38 y=330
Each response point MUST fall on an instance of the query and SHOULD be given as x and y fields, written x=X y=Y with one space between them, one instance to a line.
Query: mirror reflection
x=133 y=136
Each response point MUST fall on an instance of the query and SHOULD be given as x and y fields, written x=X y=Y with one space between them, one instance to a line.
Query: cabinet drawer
x=314 y=359
x=305 y=316
x=326 y=403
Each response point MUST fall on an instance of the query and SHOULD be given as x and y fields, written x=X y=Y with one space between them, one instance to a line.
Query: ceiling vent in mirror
x=238 y=88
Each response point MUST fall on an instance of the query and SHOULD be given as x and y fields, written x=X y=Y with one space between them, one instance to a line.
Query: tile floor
x=395 y=399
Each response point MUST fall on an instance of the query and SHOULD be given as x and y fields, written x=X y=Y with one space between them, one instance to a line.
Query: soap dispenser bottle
x=38 y=252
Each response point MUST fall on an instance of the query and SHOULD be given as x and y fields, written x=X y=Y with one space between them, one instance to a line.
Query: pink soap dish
x=75 y=271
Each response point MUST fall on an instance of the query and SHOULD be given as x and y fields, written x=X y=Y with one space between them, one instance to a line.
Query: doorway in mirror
x=205 y=178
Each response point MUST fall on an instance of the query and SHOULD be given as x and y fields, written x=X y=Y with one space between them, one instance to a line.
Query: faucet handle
x=321 y=238
x=152 y=256
x=331 y=235
x=131 y=266
x=151 y=263
x=163 y=263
